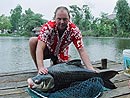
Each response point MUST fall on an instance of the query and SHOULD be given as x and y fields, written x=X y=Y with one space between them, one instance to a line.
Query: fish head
x=43 y=82
x=46 y=84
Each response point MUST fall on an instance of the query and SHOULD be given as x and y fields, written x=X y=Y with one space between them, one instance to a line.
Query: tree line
x=23 y=23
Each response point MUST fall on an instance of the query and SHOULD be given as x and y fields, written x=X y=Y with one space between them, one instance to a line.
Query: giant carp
x=63 y=75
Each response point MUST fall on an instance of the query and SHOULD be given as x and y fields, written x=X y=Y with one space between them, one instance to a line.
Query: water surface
x=15 y=56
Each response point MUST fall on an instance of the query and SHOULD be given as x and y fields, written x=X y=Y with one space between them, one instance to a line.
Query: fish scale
x=64 y=74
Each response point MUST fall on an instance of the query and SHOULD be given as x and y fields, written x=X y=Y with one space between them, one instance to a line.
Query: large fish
x=64 y=74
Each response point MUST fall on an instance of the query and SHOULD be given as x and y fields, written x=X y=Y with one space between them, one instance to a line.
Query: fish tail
x=107 y=75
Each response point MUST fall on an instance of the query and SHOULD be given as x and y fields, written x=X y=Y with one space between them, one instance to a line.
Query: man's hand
x=84 y=56
x=42 y=70
x=91 y=68
x=39 y=57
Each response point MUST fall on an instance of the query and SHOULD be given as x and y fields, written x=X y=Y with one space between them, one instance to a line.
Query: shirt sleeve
x=77 y=38
x=44 y=33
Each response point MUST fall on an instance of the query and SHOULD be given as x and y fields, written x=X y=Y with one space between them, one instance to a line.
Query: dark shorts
x=49 y=55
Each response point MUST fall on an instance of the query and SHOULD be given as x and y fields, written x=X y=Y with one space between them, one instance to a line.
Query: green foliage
x=5 y=34
x=76 y=14
x=123 y=15
x=5 y=23
x=81 y=16
x=103 y=26
x=23 y=23
x=15 y=17
x=31 y=20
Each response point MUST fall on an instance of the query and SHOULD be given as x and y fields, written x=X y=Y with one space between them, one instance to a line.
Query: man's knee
x=33 y=41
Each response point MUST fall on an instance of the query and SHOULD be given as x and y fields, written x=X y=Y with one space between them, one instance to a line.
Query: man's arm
x=39 y=57
x=85 y=58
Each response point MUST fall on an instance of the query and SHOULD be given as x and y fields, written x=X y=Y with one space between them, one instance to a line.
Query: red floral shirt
x=59 y=46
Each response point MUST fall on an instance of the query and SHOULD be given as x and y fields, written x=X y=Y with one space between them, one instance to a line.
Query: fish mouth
x=43 y=82
x=46 y=85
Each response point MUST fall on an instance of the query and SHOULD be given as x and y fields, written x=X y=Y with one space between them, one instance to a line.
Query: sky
x=47 y=7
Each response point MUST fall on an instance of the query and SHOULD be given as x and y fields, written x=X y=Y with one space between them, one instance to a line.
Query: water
x=15 y=56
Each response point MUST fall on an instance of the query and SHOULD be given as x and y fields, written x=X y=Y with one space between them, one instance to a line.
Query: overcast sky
x=47 y=7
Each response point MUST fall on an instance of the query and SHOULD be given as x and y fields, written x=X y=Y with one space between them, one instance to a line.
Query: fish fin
x=106 y=75
x=109 y=84
x=76 y=62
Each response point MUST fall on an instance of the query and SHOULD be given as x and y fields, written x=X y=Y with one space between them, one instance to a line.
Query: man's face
x=62 y=19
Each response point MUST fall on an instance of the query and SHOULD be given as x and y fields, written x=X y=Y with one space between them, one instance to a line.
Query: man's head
x=62 y=17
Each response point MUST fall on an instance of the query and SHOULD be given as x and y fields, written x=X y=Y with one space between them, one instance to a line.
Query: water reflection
x=98 y=48
x=14 y=54
x=14 y=51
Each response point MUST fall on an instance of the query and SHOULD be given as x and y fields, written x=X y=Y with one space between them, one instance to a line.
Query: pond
x=15 y=56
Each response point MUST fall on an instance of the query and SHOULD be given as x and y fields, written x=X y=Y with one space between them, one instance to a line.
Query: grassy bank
x=17 y=34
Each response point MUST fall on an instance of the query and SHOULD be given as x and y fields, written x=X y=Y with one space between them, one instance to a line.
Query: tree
x=81 y=16
x=123 y=15
x=31 y=20
x=87 y=18
x=77 y=14
x=15 y=17
x=23 y=23
x=4 y=23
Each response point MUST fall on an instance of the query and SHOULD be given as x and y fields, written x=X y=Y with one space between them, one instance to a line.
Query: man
x=53 y=41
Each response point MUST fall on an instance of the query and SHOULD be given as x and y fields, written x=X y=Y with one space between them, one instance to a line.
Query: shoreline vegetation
x=24 y=34
x=117 y=24
x=32 y=34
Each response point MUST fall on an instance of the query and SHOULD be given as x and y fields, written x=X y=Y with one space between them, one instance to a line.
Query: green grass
x=5 y=34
